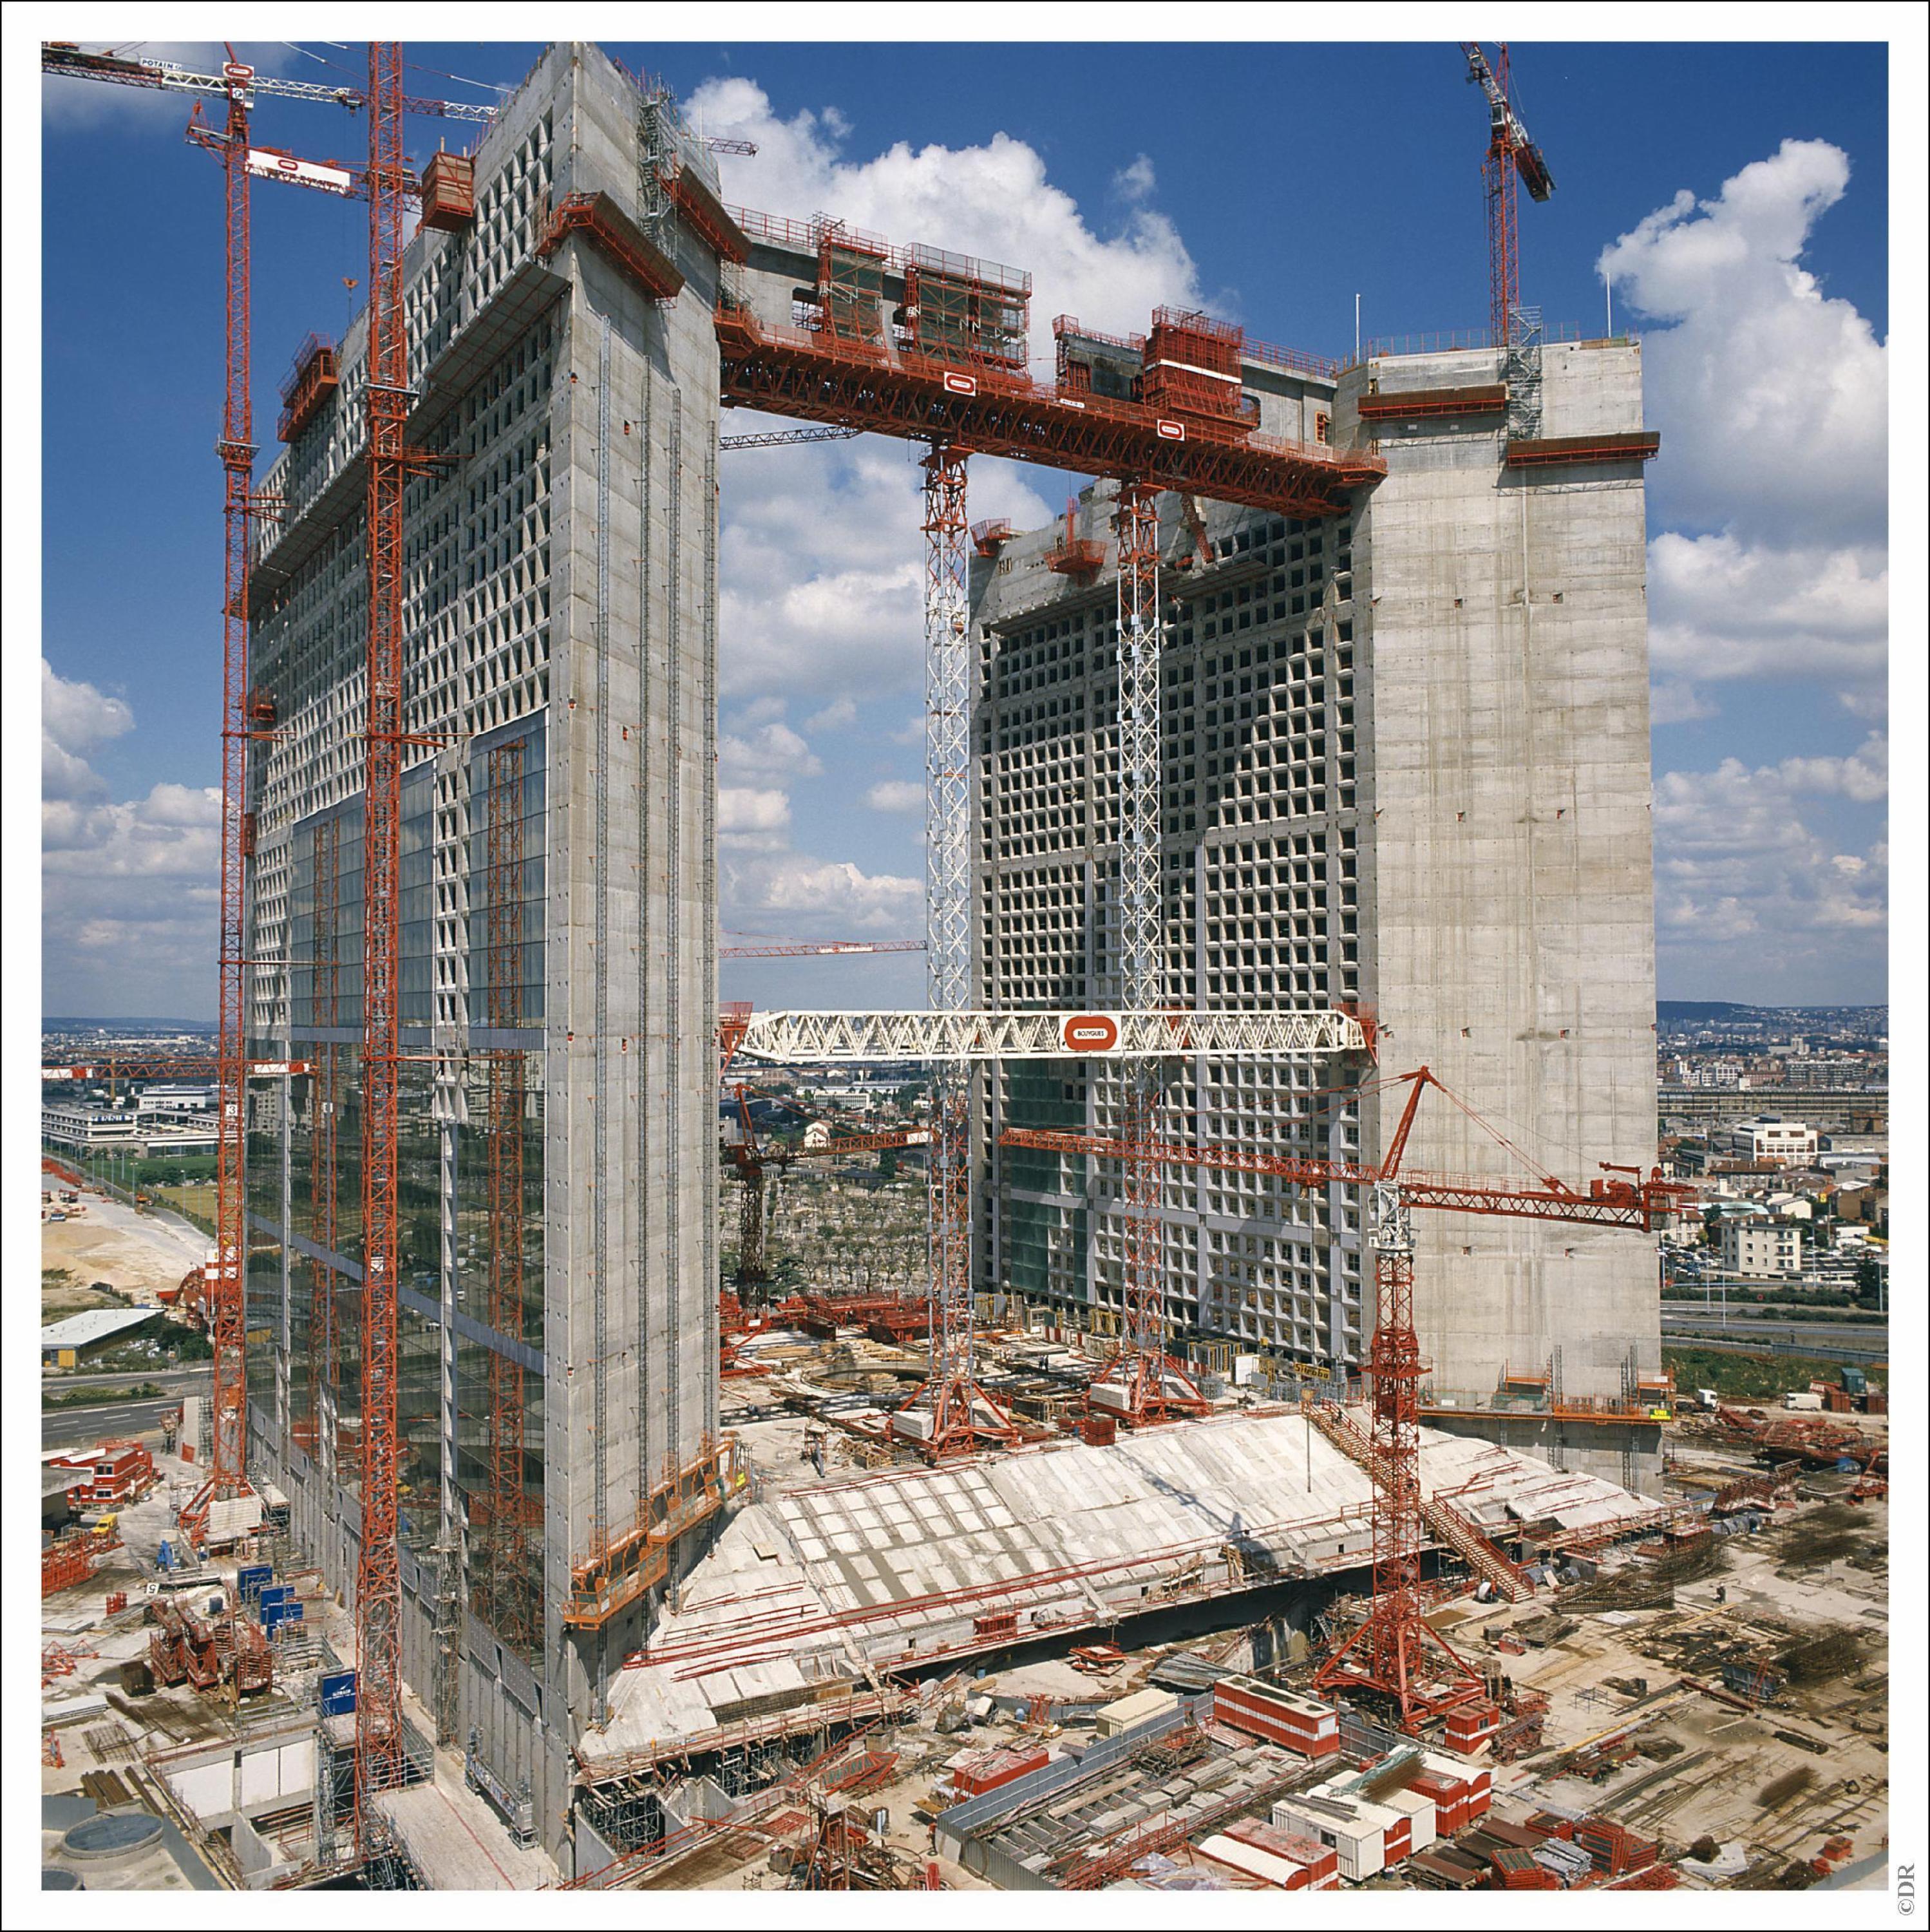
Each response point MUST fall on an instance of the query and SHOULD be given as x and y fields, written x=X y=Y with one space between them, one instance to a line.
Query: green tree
x=1869 y=1280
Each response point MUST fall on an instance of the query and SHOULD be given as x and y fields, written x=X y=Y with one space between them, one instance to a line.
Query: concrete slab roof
x=840 y=1580
x=78 y=1331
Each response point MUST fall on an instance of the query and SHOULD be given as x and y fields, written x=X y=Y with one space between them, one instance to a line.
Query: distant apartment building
x=1764 y=1249
x=1788 y=1143
x=174 y=1098
x=86 y=1125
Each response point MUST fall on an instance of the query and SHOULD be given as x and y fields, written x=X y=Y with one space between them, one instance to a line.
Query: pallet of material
x=1613 y=1847
x=1516 y=1870
x=1651 y=1878
x=1444 y=1868
x=1569 y=1863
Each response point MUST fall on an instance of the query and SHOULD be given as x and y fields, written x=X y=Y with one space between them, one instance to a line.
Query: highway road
x=64 y=1428
x=1874 y=1337
x=196 y=1381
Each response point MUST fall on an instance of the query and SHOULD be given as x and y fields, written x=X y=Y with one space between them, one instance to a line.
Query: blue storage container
x=336 y=1693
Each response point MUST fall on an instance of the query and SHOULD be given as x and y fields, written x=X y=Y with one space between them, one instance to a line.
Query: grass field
x=1750 y=1377
x=195 y=1202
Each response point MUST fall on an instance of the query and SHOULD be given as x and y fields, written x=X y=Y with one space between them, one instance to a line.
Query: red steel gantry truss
x=1395 y=1651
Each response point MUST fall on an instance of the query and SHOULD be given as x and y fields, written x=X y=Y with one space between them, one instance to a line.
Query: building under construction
x=557 y=1349
x=1402 y=790
x=1404 y=769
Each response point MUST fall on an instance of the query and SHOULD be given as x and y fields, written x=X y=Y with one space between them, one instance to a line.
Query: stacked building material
x=1613 y=1847
x=985 y=1771
x=1570 y=1865
x=1518 y=1870
x=1446 y=1868
x=1650 y=1878
x=1495 y=1835
x=1301 y=1724
x=1320 y=1862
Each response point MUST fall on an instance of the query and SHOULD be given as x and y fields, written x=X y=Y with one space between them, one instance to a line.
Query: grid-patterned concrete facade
x=560 y=603
x=1406 y=765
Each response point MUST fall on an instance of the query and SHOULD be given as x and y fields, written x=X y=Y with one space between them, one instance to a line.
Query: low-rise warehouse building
x=66 y=1344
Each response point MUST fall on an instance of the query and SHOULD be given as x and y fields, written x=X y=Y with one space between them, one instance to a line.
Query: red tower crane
x=245 y=720
x=1395 y=1651
x=1512 y=156
x=380 y=1760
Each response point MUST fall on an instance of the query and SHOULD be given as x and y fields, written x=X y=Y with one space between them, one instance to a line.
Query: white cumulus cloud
x=1738 y=860
x=993 y=200
x=809 y=894
x=1772 y=397
x=772 y=751
x=821 y=561
x=896 y=795
x=1720 y=608
x=746 y=815
x=130 y=890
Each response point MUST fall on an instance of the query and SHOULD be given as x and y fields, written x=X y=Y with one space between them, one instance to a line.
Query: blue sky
x=1272 y=182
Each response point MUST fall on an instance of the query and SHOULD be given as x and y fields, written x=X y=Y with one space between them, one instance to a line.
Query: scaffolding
x=510 y=1602
x=960 y=310
x=1191 y=368
x=313 y=378
x=851 y=270
x=622 y=1566
x=1071 y=555
x=1145 y=1385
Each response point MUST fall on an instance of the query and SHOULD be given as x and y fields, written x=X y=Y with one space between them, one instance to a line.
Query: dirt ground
x=136 y=1254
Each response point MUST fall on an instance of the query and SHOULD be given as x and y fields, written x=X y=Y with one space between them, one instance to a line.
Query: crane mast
x=380 y=1762
x=1512 y=157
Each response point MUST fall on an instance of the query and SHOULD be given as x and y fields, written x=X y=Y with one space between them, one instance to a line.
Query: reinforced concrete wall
x=1508 y=934
x=1406 y=762
x=561 y=598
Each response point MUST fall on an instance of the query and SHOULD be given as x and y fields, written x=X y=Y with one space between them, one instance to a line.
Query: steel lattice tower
x=1396 y=1651
x=380 y=1760
x=958 y=1413
x=1153 y=1388
x=228 y=1287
